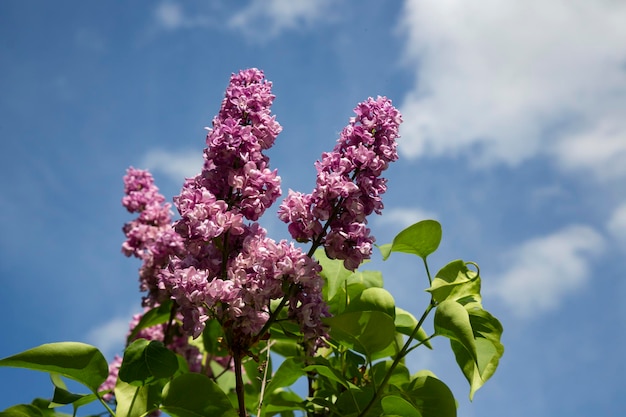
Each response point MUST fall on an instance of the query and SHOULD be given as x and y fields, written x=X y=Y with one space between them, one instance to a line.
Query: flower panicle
x=230 y=270
x=348 y=187
x=150 y=237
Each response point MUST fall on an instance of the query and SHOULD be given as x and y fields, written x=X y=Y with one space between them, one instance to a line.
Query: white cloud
x=404 y=217
x=617 y=223
x=546 y=269
x=110 y=337
x=177 y=166
x=171 y=16
x=600 y=149
x=505 y=80
x=264 y=19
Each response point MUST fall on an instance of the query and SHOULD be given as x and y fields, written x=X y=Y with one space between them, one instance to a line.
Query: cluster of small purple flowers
x=230 y=270
x=216 y=261
x=349 y=186
x=150 y=237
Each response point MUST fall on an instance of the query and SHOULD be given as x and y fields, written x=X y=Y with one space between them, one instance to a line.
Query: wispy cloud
x=176 y=165
x=265 y=19
x=169 y=15
x=506 y=81
x=616 y=225
x=404 y=217
x=543 y=270
x=110 y=336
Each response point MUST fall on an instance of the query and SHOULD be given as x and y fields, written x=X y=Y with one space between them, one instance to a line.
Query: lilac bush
x=223 y=301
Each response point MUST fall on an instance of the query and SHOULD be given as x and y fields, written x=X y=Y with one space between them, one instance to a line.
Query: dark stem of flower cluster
x=167 y=334
x=239 y=388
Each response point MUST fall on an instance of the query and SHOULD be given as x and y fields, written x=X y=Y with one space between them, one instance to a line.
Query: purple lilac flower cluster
x=230 y=270
x=150 y=237
x=349 y=186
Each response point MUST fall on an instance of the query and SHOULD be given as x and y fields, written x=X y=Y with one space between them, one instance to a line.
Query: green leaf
x=195 y=395
x=385 y=250
x=330 y=373
x=281 y=401
x=254 y=372
x=421 y=239
x=62 y=396
x=452 y=321
x=373 y=299
x=366 y=332
x=213 y=337
x=227 y=380
x=352 y=401
x=369 y=279
x=406 y=322
x=397 y=406
x=45 y=405
x=78 y=361
x=287 y=373
x=285 y=347
x=487 y=332
x=333 y=272
x=430 y=396
x=145 y=361
x=22 y=410
x=456 y=282
x=379 y=371
x=158 y=315
x=134 y=401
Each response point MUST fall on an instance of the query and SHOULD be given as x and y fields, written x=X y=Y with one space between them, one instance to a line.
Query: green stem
x=430 y=281
x=264 y=381
x=403 y=352
x=104 y=403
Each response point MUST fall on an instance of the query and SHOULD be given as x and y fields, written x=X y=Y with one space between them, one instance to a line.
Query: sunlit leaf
x=135 y=401
x=22 y=410
x=63 y=396
x=281 y=401
x=78 y=361
x=394 y=405
x=352 y=401
x=333 y=272
x=452 y=321
x=213 y=338
x=420 y=239
x=145 y=361
x=456 y=282
x=487 y=332
x=430 y=396
x=45 y=406
x=330 y=373
x=366 y=332
x=379 y=371
x=195 y=395
x=405 y=323
x=373 y=299
x=369 y=279
x=287 y=373
x=157 y=315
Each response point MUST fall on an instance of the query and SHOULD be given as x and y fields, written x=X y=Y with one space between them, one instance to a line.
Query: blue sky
x=514 y=139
